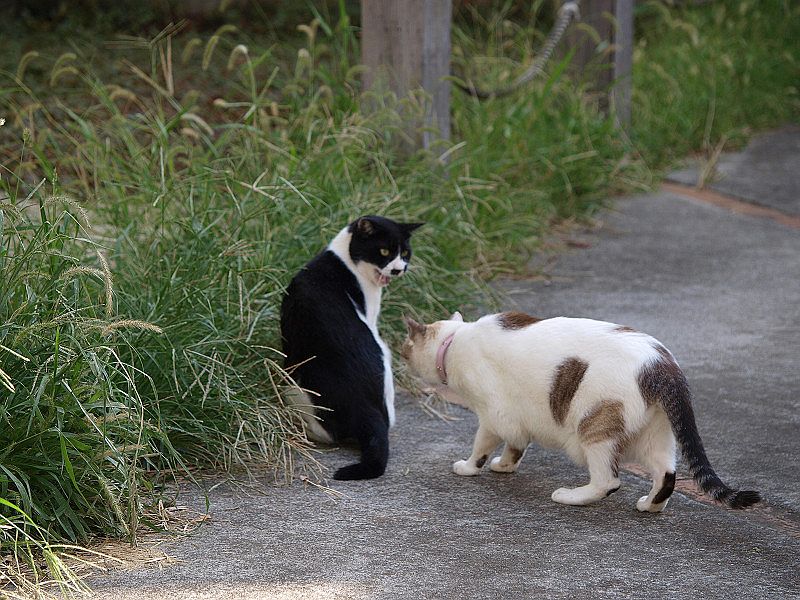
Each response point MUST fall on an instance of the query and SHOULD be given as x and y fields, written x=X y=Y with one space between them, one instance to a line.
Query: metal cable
x=566 y=13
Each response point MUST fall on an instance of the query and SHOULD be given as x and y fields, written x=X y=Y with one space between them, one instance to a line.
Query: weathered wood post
x=623 y=61
x=405 y=45
x=603 y=42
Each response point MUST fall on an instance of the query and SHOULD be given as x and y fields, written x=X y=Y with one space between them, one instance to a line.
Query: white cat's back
x=597 y=342
x=515 y=369
x=542 y=346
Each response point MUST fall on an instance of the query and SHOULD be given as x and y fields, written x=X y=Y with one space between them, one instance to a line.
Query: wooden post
x=603 y=42
x=623 y=62
x=405 y=45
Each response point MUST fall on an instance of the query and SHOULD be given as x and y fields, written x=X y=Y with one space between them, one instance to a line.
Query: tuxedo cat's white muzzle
x=394 y=269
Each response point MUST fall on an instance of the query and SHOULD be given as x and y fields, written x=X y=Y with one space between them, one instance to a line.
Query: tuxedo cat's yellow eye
x=384 y=252
x=404 y=253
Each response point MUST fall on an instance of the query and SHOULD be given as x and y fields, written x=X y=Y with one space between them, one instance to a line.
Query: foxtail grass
x=159 y=208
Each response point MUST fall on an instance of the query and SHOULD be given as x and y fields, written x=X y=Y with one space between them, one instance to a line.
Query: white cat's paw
x=498 y=467
x=465 y=469
x=562 y=496
x=644 y=505
x=579 y=496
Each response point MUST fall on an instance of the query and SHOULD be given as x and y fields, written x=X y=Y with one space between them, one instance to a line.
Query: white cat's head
x=422 y=344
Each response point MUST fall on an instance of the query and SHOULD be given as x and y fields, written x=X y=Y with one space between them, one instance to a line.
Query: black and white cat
x=329 y=327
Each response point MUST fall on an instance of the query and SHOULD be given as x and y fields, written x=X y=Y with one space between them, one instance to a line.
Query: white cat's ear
x=413 y=327
x=456 y=316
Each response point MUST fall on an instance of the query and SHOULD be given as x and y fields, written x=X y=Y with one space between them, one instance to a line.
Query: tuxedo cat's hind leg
x=302 y=403
x=372 y=435
x=485 y=442
x=602 y=460
x=508 y=461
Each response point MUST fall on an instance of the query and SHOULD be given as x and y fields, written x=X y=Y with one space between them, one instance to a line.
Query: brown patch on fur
x=516 y=320
x=623 y=329
x=665 y=354
x=432 y=331
x=568 y=377
x=619 y=453
x=666 y=489
x=657 y=377
x=481 y=461
x=413 y=328
x=418 y=333
x=516 y=454
x=604 y=422
x=405 y=349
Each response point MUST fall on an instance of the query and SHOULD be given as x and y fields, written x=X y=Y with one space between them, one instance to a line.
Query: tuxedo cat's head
x=379 y=248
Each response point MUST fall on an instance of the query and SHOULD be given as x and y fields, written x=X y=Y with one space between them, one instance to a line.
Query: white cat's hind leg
x=508 y=461
x=601 y=458
x=655 y=449
x=656 y=500
x=485 y=443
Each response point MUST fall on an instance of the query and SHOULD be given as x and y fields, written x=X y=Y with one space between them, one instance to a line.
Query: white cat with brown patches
x=602 y=392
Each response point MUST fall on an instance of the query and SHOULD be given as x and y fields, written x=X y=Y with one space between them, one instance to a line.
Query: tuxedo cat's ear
x=456 y=316
x=364 y=226
x=409 y=227
x=414 y=328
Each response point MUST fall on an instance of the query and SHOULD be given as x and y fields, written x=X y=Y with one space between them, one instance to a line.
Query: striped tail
x=663 y=382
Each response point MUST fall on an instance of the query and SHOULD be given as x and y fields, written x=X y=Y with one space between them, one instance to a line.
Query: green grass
x=153 y=209
x=706 y=77
x=75 y=440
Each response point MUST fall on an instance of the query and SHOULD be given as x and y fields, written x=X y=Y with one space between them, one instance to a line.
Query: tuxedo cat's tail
x=373 y=437
x=662 y=381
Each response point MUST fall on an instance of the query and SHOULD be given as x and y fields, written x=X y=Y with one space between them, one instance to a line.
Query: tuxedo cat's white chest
x=372 y=304
x=372 y=308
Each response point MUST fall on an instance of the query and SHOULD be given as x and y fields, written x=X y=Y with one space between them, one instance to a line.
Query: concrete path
x=722 y=290
x=764 y=173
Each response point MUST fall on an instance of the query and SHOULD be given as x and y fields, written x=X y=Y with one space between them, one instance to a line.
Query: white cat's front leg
x=485 y=442
x=509 y=461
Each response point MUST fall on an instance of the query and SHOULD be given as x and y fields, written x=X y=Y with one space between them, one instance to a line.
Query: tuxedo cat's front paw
x=498 y=466
x=465 y=468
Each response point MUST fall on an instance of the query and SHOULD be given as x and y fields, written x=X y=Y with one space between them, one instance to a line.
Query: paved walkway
x=721 y=289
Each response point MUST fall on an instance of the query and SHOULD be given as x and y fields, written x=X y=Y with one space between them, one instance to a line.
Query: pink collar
x=440 y=356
